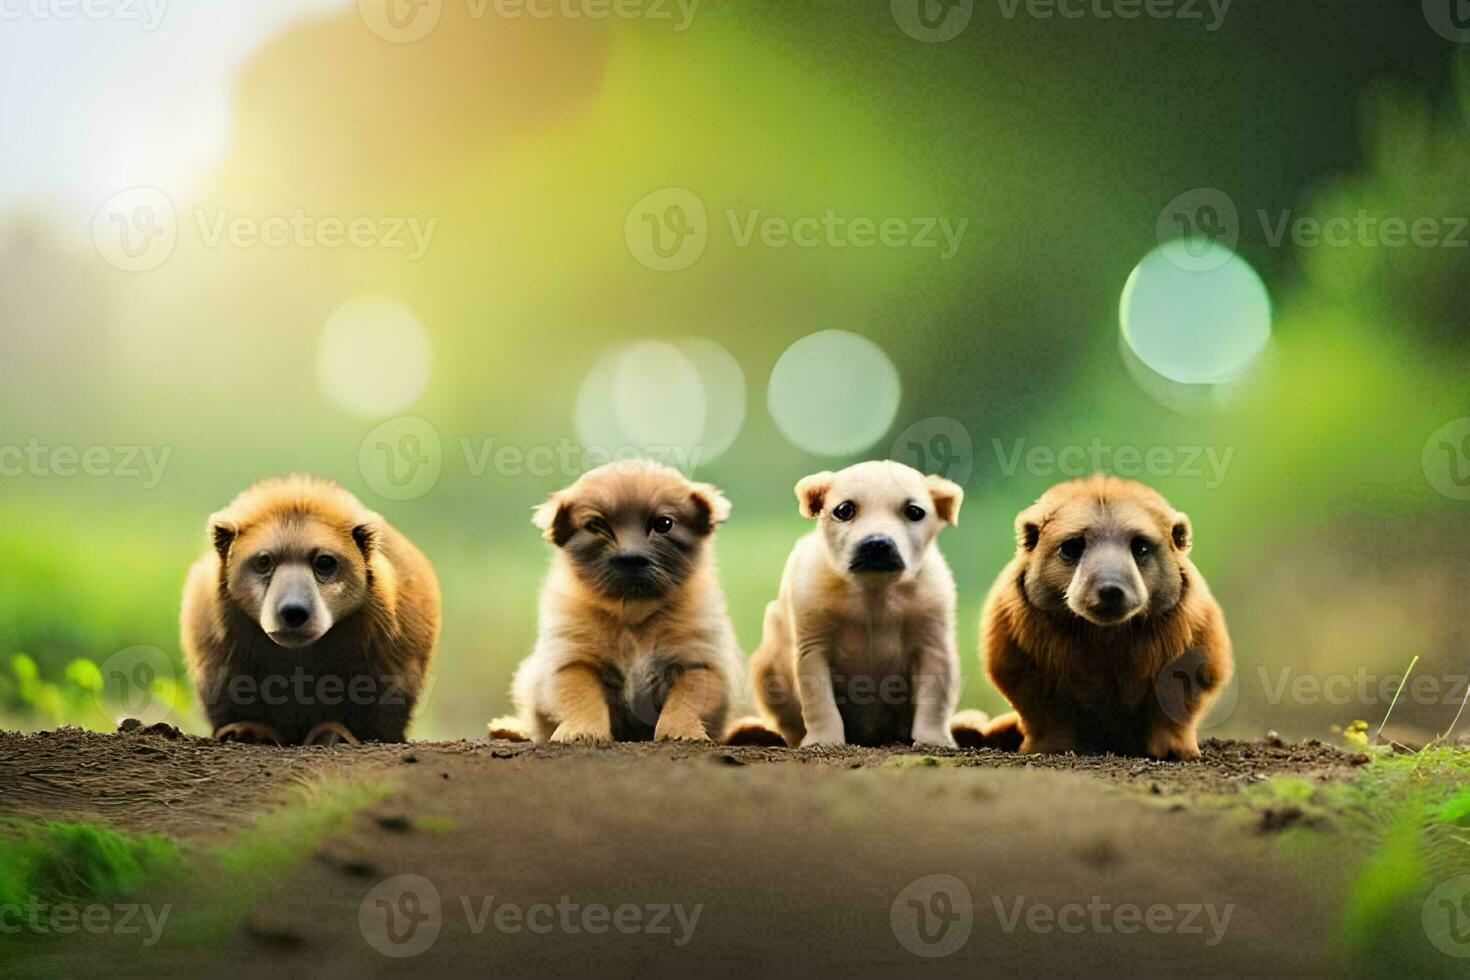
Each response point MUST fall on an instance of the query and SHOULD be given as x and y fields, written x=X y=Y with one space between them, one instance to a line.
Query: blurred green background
x=537 y=158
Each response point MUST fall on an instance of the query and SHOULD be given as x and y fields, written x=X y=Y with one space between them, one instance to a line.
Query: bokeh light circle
x=374 y=356
x=834 y=393
x=682 y=402
x=1195 y=327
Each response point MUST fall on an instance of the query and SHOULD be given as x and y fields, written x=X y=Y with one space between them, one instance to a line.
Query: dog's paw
x=330 y=733
x=572 y=734
x=691 y=730
x=1168 y=745
x=822 y=738
x=248 y=733
x=940 y=738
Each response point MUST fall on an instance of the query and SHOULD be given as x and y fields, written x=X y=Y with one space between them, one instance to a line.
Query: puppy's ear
x=1182 y=533
x=222 y=534
x=947 y=496
x=710 y=506
x=1028 y=527
x=811 y=493
x=367 y=537
x=554 y=519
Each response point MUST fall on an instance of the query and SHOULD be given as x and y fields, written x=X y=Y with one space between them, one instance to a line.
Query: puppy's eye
x=914 y=513
x=845 y=511
x=598 y=526
x=1072 y=548
x=1142 y=547
x=324 y=565
x=261 y=563
x=662 y=525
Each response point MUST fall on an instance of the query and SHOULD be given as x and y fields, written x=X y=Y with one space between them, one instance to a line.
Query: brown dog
x=1101 y=632
x=859 y=644
x=634 y=640
x=309 y=618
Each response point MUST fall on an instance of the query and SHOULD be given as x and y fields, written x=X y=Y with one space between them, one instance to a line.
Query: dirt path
x=515 y=860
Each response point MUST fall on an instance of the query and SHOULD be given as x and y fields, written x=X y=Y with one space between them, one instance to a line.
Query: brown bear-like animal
x=310 y=619
x=1101 y=632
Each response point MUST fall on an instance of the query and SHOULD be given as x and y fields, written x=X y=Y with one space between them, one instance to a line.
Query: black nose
x=630 y=561
x=1110 y=595
x=294 y=617
x=876 y=553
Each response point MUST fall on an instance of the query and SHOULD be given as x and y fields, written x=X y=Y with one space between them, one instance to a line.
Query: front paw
x=581 y=734
x=680 y=730
x=249 y=733
x=940 y=737
x=1183 y=747
x=823 y=736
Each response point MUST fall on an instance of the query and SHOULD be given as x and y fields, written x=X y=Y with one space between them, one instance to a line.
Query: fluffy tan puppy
x=859 y=644
x=309 y=618
x=1101 y=632
x=634 y=641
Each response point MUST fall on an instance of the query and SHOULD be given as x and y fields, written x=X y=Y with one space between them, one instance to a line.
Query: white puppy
x=859 y=646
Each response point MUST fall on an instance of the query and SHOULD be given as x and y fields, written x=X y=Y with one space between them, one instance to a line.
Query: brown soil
x=798 y=860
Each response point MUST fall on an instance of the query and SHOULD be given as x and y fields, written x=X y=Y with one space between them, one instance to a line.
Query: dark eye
x=1072 y=548
x=598 y=526
x=662 y=525
x=914 y=513
x=261 y=563
x=1142 y=547
x=324 y=564
x=845 y=510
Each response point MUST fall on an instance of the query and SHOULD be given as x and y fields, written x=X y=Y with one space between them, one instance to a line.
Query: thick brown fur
x=366 y=672
x=630 y=652
x=1137 y=686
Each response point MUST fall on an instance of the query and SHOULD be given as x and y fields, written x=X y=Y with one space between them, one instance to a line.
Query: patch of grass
x=237 y=876
x=1399 y=828
x=51 y=865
